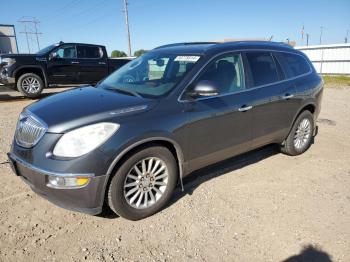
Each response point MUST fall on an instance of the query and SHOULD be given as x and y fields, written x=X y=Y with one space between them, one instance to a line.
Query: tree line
x=117 y=53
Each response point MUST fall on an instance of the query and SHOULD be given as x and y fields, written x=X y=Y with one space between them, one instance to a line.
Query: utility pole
x=33 y=23
x=36 y=32
x=127 y=24
x=302 y=34
x=307 y=39
x=346 y=37
x=26 y=33
x=321 y=35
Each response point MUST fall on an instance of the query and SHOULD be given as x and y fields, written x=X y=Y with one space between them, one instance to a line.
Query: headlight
x=8 y=61
x=83 y=140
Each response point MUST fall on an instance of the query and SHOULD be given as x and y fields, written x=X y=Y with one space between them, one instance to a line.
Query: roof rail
x=186 y=43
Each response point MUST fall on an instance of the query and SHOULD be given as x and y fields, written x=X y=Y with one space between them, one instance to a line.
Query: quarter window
x=89 y=52
x=293 y=65
x=226 y=72
x=262 y=67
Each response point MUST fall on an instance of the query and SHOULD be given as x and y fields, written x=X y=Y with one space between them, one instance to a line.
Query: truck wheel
x=143 y=184
x=30 y=85
x=300 y=137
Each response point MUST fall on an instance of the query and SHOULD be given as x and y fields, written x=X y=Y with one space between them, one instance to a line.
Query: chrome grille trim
x=30 y=129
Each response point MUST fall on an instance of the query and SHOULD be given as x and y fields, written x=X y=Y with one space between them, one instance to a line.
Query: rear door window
x=92 y=52
x=263 y=68
x=293 y=65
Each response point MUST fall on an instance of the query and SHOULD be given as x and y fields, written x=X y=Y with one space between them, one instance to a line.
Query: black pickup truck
x=57 y=64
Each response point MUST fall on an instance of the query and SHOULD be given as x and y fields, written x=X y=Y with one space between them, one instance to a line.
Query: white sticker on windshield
x=185 y=58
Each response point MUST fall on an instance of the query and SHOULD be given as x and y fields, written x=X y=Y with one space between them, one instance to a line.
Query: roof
x=207 y=47
x=71 y=43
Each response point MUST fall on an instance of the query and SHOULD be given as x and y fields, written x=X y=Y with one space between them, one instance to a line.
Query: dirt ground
x=262 y=206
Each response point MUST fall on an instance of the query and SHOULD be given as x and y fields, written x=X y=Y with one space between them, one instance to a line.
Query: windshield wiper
x=125 y=91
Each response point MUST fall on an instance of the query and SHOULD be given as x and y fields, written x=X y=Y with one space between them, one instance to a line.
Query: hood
x=23 y=58
x=86 y=105
x=18 y=55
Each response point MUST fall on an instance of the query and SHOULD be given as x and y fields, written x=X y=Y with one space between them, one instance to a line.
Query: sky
x=157 y=22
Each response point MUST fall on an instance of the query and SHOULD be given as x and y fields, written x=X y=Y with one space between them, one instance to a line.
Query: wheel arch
x=38 y=70
x=310 y=106
x=169 y=143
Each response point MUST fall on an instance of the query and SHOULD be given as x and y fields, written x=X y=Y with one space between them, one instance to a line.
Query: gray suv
x=129 y=140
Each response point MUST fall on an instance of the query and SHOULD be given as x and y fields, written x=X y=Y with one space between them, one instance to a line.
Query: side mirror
x=53 y=55
x=205 y=88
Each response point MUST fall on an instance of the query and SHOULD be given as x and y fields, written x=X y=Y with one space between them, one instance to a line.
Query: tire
x=119 y=197
x=30 y=85
x=291 y=146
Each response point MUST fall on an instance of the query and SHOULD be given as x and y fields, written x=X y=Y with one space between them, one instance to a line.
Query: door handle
x=244 y=108
x=74 y=62
x=101 y=63
x=287 y=96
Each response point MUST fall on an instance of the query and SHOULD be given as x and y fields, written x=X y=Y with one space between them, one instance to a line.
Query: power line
x=59 y=10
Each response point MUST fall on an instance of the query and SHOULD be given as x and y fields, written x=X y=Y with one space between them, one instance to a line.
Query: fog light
x=67 y=182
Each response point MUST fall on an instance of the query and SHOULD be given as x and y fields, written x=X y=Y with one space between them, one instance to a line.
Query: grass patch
x=337 y=81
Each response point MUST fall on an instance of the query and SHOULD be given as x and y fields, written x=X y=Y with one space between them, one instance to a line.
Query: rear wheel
x=30 y=85
x=300 y=136
x=143 y=184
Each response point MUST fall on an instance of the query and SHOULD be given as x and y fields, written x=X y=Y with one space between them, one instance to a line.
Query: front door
x=63 y=65
x=220 y=126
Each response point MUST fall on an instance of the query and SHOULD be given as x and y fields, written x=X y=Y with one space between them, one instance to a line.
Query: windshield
x=151 y=75
x=46 y=49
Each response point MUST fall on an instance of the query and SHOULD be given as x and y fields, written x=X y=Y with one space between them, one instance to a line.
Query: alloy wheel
x=302 y=134
x=146 y=182
x=30 y=85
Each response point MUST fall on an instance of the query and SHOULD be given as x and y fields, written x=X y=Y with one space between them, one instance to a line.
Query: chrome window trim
x=246 y=90
x=46 y=172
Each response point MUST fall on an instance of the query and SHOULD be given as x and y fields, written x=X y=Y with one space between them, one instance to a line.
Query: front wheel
x=143 y=184
x=300 y=136
x=30 y=85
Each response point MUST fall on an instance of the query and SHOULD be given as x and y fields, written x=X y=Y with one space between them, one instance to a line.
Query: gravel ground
x=262 y=206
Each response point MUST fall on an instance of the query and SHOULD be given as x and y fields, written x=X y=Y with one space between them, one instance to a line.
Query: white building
x=329 y=59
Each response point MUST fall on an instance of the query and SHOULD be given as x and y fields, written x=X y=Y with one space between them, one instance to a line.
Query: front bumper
x=5 y=79
x=87 y=199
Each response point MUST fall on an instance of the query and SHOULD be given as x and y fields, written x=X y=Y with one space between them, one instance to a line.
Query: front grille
x=29 y=130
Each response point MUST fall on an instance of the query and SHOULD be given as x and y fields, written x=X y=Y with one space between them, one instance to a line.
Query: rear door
x=220 y=126
x=274 y=101
x=93 y=65
x=62 y=66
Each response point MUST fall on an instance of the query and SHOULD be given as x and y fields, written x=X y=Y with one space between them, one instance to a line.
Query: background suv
x=177 y=108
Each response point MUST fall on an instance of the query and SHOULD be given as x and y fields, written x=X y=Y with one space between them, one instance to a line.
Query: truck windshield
x=46 y=49
x=151 y=75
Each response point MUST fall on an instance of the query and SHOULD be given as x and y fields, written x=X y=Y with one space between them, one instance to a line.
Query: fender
x=36 y=67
